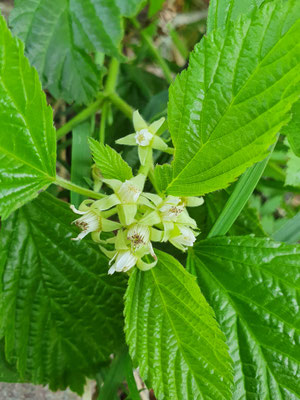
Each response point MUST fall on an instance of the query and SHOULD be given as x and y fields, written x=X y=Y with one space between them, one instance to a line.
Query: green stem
x=104 y=113
x=112 y=77
x=164 y=66
x=77 y=189
x=120 y=104
x=82 y=116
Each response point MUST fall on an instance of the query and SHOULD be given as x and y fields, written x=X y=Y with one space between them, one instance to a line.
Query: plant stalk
x=164 y=66
x=77 y=189
x=82 y=116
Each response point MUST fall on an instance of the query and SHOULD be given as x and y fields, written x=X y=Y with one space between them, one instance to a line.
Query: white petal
x=74 y=209
x=143 y=137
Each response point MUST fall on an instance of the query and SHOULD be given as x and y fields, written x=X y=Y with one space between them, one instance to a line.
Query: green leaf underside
x=110 y=163
x=226 y=108
x=253 y=286
x=62 y=313
x=59 y=36
x=173 y=336
x=27 y=136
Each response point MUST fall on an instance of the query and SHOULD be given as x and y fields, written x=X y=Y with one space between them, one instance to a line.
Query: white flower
x=129 y=192
x=124 y=261
x=172 y=207
x=186 y=239
x=143 y=137
x=89 y=222
x=138 y=235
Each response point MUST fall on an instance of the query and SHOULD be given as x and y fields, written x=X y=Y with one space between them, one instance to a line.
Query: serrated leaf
x=292 y=129
x=225 y=110
x=221 y=12
x=59 y=36
x=253 y=286
x=173 y=336
x=163 y=176
x=129 y=8
x=110 y=163
x=27 y=138
x=61 y=313
x=7 y=372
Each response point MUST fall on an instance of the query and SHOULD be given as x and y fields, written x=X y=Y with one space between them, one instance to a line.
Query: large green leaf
x=221 y=12
x=58 y=36
x=129 y=8
x=110 y=163
x=173 y=336
x=61 y=314
x=226 y=108
x=253 y=286
x=27 y=136
x=7 y=372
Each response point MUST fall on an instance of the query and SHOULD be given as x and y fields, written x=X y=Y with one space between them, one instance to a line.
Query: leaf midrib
x=250 y=77
x=12 y=155
x=177 y=337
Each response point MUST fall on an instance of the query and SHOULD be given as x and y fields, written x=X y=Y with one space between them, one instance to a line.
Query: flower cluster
x=126 y=222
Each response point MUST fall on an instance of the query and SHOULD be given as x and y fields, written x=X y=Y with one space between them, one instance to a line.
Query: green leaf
x=61 y=313
x=292 y=129
x=289 y=232
x=163 y=176
x=239 y=197
x=27 y=138
x=173 y=336
x=155 y=6
x=225 y=110
x=293 y=170
x=110 y=163
x=129 y=8
x=81 y=158
x=59 y=37
x=7 y=372
x=115 y=376
x=253 y=286
x=221 y=12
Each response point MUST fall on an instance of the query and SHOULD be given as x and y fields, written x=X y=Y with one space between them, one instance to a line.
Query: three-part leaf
x=253 y=286
x=61 y=314
x=173 y=336
x=27 y=137
x=59 y=37
x=110 y=163
x=226 y=108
